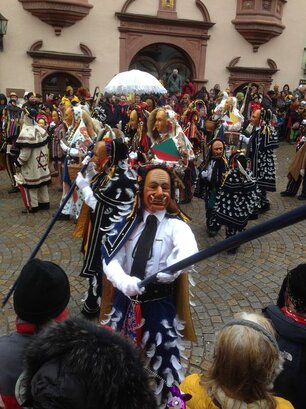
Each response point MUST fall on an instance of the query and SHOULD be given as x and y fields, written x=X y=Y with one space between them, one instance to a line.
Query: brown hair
x=246 y=360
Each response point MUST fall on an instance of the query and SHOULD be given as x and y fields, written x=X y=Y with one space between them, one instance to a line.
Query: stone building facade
x=50 y=44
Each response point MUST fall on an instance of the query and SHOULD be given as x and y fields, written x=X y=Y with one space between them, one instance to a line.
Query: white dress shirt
x=173 y=242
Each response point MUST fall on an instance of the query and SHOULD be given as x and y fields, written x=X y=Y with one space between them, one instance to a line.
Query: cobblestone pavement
x=225 y=283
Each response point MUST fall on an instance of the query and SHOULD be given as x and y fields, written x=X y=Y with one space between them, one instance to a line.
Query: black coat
x=291 y=337
x=77 y=364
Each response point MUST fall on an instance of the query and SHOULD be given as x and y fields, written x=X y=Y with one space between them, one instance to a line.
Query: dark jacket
x=291 y=338
x=76 y=364
x=12 y=348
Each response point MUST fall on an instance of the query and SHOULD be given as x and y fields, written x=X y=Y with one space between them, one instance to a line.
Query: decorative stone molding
x=258 y=21
x=137 y=31
x=260 y=75
x=58 y=13
x=47 y=62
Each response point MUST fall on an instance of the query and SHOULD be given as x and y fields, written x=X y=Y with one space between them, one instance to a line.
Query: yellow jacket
x=201 y=400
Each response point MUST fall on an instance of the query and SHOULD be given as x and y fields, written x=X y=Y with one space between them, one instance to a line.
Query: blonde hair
x=246 y=360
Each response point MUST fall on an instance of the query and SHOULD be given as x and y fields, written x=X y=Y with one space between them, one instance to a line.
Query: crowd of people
x=144 y=158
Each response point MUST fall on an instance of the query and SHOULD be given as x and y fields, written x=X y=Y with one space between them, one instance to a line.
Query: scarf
x=225 y=402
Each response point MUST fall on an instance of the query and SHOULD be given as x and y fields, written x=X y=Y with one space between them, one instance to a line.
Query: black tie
x=143 y=247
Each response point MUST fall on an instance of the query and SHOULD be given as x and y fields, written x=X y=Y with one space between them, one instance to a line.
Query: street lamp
x=3 y=27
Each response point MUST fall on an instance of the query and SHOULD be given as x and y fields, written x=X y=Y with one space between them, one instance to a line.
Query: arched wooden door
x=57 y=82
x=160 y=59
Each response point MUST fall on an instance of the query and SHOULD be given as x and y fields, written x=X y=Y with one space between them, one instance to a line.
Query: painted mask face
x=161 y=121
x=228 y=104
x=133 y=122
x=55 y=117
x=150 y=106
x=100 y=156
x=217 y=149
x=68 y=116
x=42 y=123
x=255 y=118
x=157 y=190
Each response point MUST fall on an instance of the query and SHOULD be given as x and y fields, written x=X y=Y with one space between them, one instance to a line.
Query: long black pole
x=269 y=226
x=52 y=223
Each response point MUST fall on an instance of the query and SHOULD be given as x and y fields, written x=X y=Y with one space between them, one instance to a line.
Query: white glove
x=90 y=171
x=243 y=138
x=302 y=172
x=166 y=278
x=86 y=160
x=204 y=174
x=80 y=181
x=129 y=286
x=63 y=146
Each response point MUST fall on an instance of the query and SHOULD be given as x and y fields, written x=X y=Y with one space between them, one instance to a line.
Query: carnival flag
x=233 y=118
x=166 y=151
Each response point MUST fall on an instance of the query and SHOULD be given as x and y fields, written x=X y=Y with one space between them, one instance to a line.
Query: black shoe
x=264 y=208
x=63 y=216
x=285 y=194
x=44 y=206
x=233 y=250
x=13 y=189
x=301 y=197
x=212 y=233
x=32 y=210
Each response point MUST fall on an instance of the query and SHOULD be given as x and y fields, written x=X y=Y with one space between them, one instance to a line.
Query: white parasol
x=134 y=81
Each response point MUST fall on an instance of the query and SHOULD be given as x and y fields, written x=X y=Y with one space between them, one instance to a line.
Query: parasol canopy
x=134 y=81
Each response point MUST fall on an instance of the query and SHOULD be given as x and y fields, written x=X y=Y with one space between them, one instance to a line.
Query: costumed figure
x=170 y=145
x=3 y=103
x=260 y=150
x=32 y=170
x=79 y=136
x=296 y=172
x=57 y=131
x=11 y=127
x=212 y=172
x=237 y=197
x=194 y=130
x=153 y=237
x=230 y=120
x=110 y=195
x=136 y=129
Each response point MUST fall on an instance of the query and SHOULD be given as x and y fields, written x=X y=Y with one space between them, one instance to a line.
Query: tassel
x=157 y=363
x=175 y=362
x=158 y=339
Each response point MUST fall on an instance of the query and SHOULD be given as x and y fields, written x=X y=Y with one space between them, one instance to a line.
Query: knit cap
x=42 y=291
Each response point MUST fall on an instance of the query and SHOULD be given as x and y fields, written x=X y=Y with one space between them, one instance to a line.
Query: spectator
x=41 y=295
x=245 y=364
x=289 y=320
x=174 y=83
x=77 y=364
x=188 y=87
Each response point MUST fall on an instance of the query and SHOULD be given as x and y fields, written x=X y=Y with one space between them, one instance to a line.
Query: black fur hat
x=75 y=364
x=42 y=291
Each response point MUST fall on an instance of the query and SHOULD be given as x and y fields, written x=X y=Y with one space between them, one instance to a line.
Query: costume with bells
x=260 y=150
x=237 y=197
x=152 y=316
x=110 y=195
